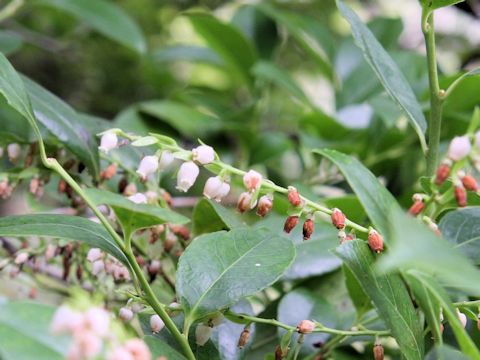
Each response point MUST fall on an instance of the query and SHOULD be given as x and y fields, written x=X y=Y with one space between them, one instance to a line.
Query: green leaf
x=64 y=123
x=10 y=42
x=63 y=227
x=270 y=72
x=301 y=304
x=315 y=39
x=387 y=71
x=314 y=258
x=13 y=89
x=134 y=216
x=375 y=198
x=196 y=54
x=227 y=41
x=360 y=300
x=445 y=352
x=106 y=18
x=220 y=268
x=209 y=216
x=388 y=294
x=161 y=348
x=187 y=120
x=414 y=246
x=24 y=330
x=436 y=4
x=460 y=227
x=440 y=295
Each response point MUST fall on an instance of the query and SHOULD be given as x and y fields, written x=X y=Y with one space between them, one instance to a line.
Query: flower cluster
x=103 y=263
x=92 y=336
x=258 y=193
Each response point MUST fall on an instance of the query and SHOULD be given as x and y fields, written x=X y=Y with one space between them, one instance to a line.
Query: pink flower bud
x=216 y=189
x=13 y=150
x=130 y=189
x=138 y=349
x=460 y=195
x=97 y=320
x=378 y=352
x=148 y=165
x=21 y=258
x=294 y=196
x=86 y=345
x=202 y=334
x=187 y=174
x=459 y=148
x=305 y=327
x=156 y=323
x=265 y=204
x=138 y=198
x=245 y=202
x=50 y=252
x=290 y=223
x=469 y=183
x=125 y=314
x=109 y=172
x=252 y=180
x=375 y=241
x=109 y=141
x=166 y=158
x=203 y=154
x=443 y=171
x=338 y=218
x=98 y=266
x=94 y=254
x=462 y=317
x=66 y=320
x=308 y=227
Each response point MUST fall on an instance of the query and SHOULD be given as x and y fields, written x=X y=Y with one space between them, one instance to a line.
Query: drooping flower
x=94 y=254
x=375 y=241
x=156 y=323
x=166 y=158
x=187 y=174
x=138 y=349
x=294 y=196
x=245 y=202
x=290 y=223
x=215 y=188
x=252 y=180
x=265 y=204
x=108 y=141
x=65 y=320
x=338 y=218
x=203 y=154
x=459 y=148
x=202 y=334
x=148 y=165
x=138 y=198
x=308 y=227
x=125 y=314
x=305 y=327
x=13 y=150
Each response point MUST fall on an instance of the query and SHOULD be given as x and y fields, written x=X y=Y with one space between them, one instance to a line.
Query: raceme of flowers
x=258 y=193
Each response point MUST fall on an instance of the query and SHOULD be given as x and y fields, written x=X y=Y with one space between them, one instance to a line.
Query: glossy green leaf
x=73 y=228
x=436 y=4
x=64 y=123
x=415 y=246
x=377 y=201
x=220 y=268
x=314 y=258
x=24 y=330
x=185 y=119
x=438 y=294
x=270 y=72
x=209 y=216
x=310 y=34
x=389 y=295
x=387 y=71
x=227 y=41
x=301 y=304
x=134 y=216
x=106 y=18
x=460 y=227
